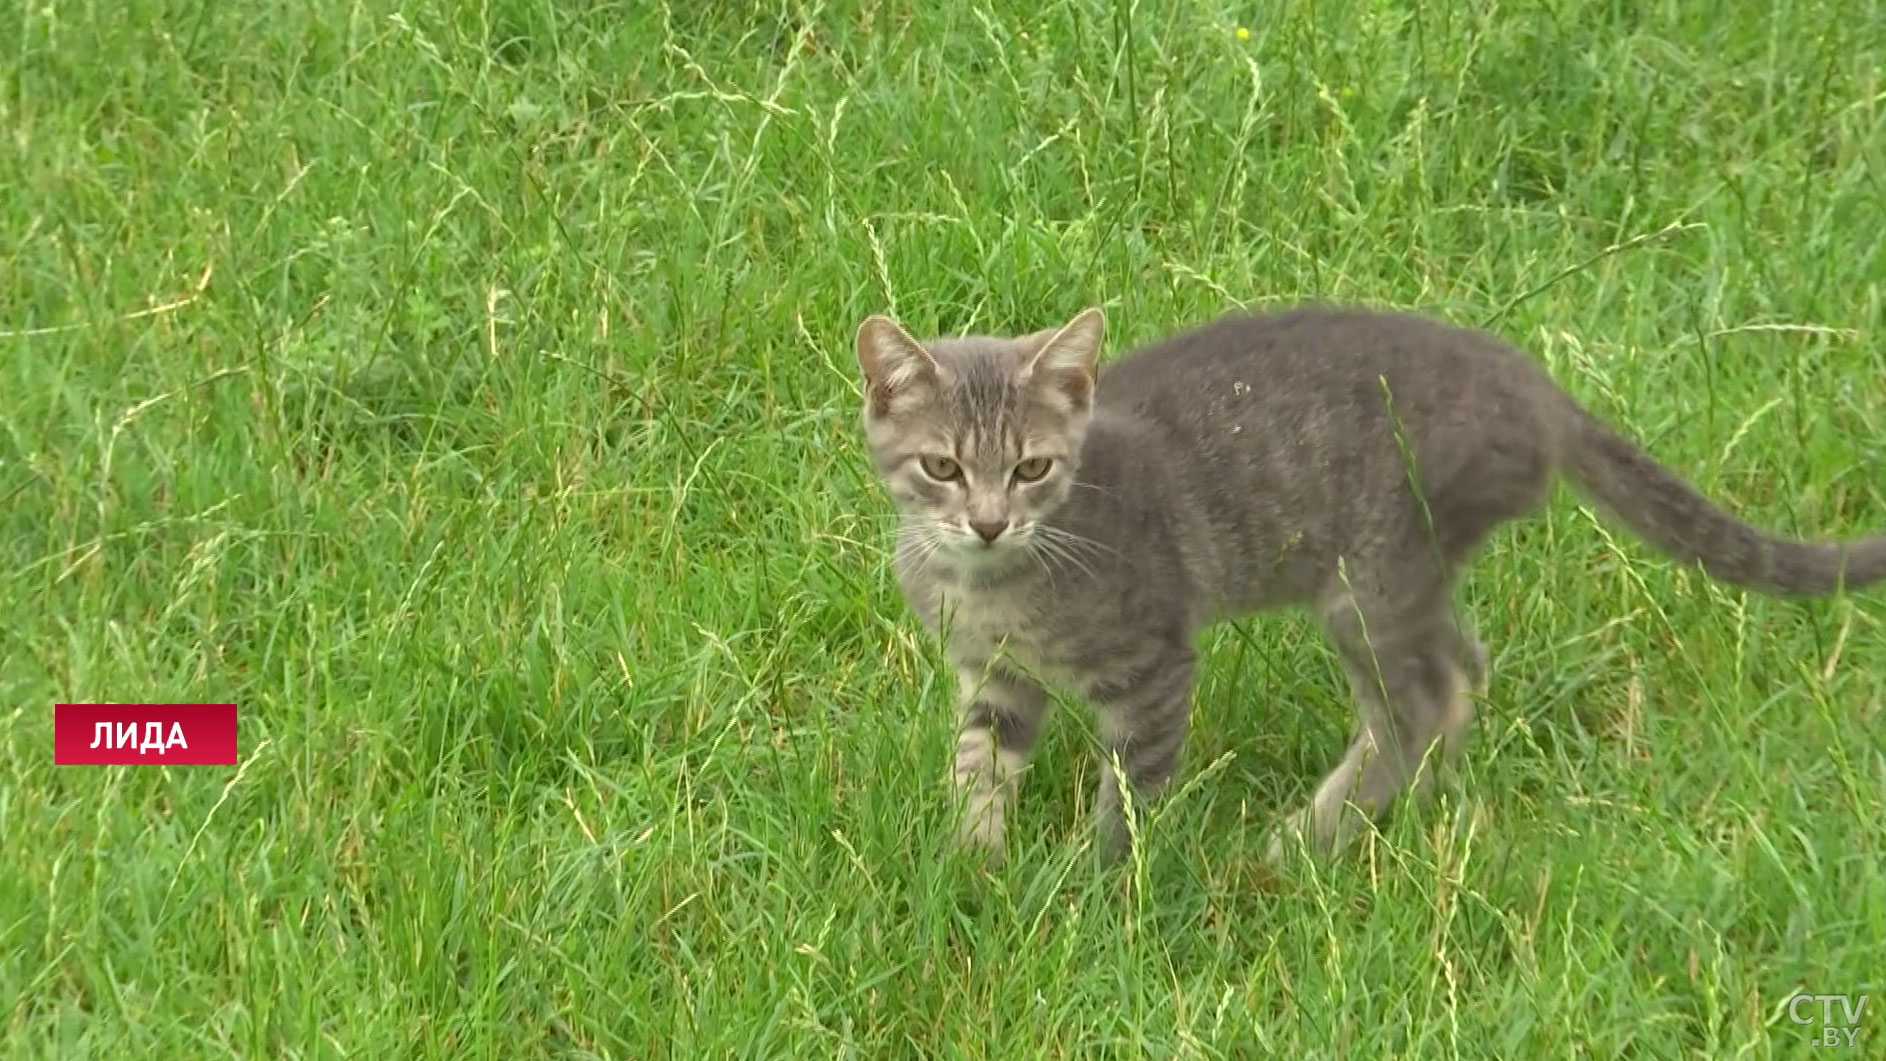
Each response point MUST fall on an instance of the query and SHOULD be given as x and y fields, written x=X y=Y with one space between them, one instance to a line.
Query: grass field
x=466 y=391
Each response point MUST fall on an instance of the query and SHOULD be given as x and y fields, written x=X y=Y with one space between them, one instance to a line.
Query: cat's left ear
x=1067 y=363
x=897 y=369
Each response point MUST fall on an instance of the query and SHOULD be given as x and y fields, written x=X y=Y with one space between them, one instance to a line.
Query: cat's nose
x=988 y=529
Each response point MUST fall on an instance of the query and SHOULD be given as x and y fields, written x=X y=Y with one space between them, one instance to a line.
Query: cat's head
x=978 y=438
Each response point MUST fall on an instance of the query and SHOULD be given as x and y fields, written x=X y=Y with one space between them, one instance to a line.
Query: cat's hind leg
x=1412 y=670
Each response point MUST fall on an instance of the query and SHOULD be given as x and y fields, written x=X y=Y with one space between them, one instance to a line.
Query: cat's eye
x=942 y=469
x=1032 y=469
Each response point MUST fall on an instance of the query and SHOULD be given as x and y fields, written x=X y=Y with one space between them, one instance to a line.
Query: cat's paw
x=1114 y=846
x=1286 y=839
x=1478 y=667
x=980 y=837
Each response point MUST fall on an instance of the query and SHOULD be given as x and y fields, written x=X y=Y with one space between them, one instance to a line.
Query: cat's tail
x=1671 y=515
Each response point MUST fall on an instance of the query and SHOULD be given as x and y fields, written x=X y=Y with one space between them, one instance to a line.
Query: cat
x=1065 y=527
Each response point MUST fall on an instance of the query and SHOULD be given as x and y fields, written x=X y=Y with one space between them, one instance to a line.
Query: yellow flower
x=1244 y=34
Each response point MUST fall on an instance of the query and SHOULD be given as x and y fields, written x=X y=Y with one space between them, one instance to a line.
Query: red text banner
x=144 y=734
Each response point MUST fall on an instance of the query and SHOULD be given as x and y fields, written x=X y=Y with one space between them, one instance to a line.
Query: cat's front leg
x=1000 y=718
x=1144 y=712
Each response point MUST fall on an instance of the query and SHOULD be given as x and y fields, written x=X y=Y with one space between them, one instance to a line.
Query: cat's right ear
x=1065 y=363
x=897 y=369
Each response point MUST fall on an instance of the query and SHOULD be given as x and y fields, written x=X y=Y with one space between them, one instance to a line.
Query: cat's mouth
x=970 y=540
x=971 y=551
x=973 y=548
x=968 y=553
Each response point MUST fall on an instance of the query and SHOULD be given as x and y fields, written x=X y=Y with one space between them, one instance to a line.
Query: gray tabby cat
x=1065 y=527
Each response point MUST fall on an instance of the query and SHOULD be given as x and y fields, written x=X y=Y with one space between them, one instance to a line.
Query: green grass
x=466 y=391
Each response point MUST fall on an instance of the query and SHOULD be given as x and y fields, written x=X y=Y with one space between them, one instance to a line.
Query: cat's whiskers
x=1049 y=543
x=1048 y=556
x=918 y=544
x=1062 y=534
x=1032 y=548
